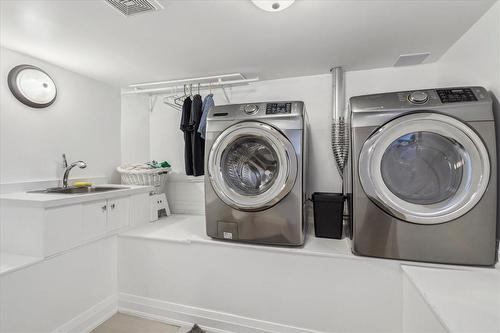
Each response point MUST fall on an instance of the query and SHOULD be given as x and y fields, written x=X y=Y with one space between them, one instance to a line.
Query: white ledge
x=176 y=177
x=10 y=262
x=187 y=229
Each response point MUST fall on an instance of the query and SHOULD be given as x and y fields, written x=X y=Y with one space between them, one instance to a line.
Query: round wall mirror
x=32 y=86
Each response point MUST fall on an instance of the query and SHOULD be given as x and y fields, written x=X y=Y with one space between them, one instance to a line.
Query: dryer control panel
x=428 y=98
x=457 y=95
x=471 y=103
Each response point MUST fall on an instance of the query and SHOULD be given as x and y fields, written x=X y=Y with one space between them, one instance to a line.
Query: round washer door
x=424 y=168
x=252 y=166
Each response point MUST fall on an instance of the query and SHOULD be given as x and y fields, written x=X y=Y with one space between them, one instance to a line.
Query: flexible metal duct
x=340 y=123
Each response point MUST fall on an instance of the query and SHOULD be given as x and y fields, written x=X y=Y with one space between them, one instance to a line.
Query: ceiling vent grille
x=132 y=7
x=411 y=59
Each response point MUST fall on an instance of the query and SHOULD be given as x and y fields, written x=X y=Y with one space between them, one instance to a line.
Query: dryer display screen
x=456 y=95
x=276 y=108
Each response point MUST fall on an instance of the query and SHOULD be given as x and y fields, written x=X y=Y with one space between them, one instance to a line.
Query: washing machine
x=255 y=162
x=424 y=176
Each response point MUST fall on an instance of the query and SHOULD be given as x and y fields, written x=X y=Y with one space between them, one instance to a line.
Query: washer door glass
x=252 y=166
x=424 y=168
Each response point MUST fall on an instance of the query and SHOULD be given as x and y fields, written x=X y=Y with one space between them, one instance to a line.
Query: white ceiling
x=193 y=38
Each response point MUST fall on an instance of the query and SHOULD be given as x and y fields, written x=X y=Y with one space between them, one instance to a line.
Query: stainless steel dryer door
x=252 y=166
x=424 y=168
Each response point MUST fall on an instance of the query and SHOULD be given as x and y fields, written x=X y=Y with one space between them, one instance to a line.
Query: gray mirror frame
x=12 y=78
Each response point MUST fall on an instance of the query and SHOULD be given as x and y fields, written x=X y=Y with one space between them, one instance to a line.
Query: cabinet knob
x=112 y=206
x=104 y=207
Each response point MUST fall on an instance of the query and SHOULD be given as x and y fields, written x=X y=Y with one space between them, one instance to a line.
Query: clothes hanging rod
x=217 y=84
x=195 y=79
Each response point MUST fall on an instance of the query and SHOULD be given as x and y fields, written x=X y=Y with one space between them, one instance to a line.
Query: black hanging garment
x=187 y=128
x=197 y=141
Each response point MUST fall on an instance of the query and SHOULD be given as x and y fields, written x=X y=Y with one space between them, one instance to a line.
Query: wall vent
x=411 y=59
x=132 y=7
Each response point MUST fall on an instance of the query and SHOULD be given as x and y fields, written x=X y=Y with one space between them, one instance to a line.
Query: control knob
x=418 y=97
x=251 y=109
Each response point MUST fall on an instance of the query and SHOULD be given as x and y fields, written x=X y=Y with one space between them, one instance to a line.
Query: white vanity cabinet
x=63 y=229
x=118 y=213
x=100 y=217
x=72 y=225
x=94 y=219
x=42 y=229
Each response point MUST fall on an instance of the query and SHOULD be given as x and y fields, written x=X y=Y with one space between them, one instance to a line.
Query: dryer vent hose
x=340 y=143
x=340 y=122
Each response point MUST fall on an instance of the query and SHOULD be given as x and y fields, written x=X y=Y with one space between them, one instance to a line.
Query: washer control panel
x=418 y=97
x=278 y=108
x=273 y=109
x=457 y=95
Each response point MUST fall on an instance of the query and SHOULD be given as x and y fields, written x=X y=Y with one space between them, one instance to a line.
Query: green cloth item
x=165 y=164
x=156 y=165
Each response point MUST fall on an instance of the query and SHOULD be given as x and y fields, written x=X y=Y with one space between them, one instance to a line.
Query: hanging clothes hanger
x=167 y=101
x=180 y=100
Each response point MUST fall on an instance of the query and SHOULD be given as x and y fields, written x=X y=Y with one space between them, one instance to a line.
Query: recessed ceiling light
x=273 y=5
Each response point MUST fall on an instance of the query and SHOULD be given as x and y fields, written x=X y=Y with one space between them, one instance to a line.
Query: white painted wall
x=84 y=122
x=135 y=136
x=256 y=289
x=167 y=141
x=73 y=289
x=473 y=60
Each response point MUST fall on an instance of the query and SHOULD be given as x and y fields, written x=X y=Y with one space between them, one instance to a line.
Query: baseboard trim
x=213 y=321
x=91 y=318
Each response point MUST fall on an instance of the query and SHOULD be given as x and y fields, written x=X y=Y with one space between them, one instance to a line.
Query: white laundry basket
x=147 y=177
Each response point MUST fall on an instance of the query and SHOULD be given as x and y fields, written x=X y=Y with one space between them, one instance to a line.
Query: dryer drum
x=423 y=167
x=250 y=165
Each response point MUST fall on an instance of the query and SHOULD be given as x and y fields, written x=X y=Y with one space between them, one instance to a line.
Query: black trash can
x=328 y=214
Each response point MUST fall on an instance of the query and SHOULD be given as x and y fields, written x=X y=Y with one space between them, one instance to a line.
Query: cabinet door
x=94 y=219
x=118 y=213
x=63 y=228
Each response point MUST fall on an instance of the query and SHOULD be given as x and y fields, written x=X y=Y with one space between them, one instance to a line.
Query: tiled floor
x=122 y=323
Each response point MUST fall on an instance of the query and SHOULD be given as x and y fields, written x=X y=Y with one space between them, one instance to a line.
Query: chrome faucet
x=67 y=169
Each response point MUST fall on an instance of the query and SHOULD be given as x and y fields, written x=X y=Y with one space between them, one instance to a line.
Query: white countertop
x=57 y=199
x=464 y=300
